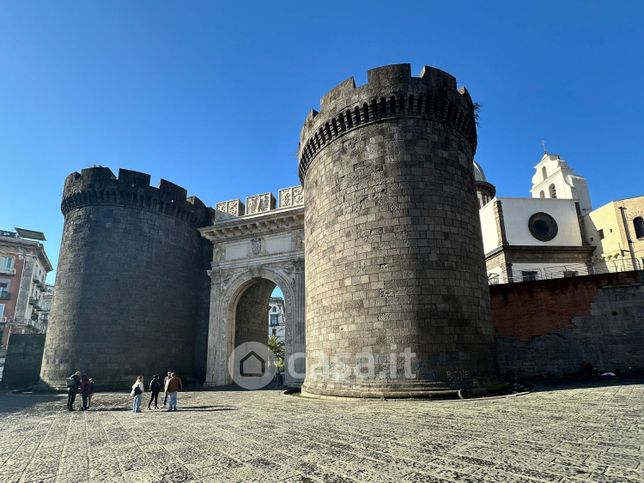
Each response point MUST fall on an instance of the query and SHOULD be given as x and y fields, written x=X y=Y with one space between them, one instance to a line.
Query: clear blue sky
x=212 y=95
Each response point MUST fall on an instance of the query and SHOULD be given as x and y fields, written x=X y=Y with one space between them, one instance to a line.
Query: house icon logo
x=251 y=365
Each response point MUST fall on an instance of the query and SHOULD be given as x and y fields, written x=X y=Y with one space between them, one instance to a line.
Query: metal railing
x=527 y=274
x=7 y=271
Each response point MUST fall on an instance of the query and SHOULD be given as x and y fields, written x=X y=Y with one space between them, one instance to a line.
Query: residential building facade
x=24 y=294
x=276 y=321
x=617 y=232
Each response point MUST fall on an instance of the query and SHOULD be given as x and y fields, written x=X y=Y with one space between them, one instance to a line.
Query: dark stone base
x=405 y=390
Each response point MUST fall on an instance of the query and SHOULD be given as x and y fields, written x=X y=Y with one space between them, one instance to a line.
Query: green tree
x=277 y=348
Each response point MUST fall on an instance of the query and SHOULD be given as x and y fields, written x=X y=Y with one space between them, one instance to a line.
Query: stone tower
x=394 y=256
x=131 y=287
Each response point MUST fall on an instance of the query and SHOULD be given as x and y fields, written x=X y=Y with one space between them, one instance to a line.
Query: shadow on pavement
x=11 y=403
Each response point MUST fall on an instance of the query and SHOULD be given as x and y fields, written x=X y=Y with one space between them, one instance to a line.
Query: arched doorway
x=239 y=314
x=252 y=254
x=259 y=314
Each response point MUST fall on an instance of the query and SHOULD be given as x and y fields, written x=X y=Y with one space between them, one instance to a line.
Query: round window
x=542 y=226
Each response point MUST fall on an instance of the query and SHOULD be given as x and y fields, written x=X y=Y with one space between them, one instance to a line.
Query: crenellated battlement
x=391 y=92
x=99 y=186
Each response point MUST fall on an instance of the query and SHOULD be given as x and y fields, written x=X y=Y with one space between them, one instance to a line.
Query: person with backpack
x=84 y=390
x=73 y=383
x=155 y=389
x=137 y=393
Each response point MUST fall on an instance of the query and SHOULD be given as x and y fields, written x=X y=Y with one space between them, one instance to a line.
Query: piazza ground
x=584 y=432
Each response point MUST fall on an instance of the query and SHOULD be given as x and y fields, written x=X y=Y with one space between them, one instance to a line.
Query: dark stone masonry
x=22 y=367
x=131 y=285
x=393 y=249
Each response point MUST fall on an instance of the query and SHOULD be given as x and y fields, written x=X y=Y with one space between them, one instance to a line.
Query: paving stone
x=575 y=434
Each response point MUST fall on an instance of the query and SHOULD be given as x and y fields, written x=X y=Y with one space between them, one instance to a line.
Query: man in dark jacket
x=73 y=383
x=155 y=389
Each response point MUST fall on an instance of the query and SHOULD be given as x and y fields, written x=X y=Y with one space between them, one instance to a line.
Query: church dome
x=485 y=190
x=479 y=175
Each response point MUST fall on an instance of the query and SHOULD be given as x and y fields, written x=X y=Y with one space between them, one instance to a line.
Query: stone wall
x=548 y=327
x=132 y=287
x=22 y=363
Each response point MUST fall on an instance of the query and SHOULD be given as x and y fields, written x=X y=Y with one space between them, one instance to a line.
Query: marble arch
x=265 y=247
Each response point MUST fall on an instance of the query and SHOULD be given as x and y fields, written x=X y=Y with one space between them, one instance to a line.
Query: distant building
x=43 y=316
x=276 y=322
x=538 y=237
x=24 y=296
x=617 y=232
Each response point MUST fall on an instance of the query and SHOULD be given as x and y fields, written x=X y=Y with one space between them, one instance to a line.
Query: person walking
x=137 y=394
x=172 y=387
x=165 y=384
x=73 y=383
x=155 y=389
x=84 y=390
x=91 y=392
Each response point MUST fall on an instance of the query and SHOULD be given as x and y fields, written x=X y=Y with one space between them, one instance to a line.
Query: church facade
x=555 y=232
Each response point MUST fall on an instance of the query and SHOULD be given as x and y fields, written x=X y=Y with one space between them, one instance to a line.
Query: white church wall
x=489 y=228
x=517 y=213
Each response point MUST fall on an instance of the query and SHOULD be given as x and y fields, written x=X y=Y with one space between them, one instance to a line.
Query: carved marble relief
x=260 y=203
x=228 y=209
x=293 y=196
x=256 y=246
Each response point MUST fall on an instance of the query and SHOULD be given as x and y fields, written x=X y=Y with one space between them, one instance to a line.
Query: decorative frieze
x=293 y=196
x=260 y=203
x=229 y=209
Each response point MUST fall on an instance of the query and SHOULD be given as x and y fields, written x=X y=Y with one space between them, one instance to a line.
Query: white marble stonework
x=293 y=196
x=229 y=209
x=260 y=203
x=258 y=245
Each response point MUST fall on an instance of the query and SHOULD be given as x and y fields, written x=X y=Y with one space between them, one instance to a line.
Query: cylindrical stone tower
x=394 y=256
x=132 y=288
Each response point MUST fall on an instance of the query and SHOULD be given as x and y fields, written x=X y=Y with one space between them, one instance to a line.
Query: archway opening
x=260 y=316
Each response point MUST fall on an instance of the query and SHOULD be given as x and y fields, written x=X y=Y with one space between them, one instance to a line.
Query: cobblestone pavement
x=571 y=434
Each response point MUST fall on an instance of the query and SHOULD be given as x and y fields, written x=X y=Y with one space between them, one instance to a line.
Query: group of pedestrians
x=77 y=383
x=171 y=386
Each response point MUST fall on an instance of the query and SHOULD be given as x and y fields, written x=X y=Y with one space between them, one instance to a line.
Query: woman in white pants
x=137 y=394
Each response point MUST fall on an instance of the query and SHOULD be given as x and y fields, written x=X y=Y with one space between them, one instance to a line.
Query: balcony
x=33 y=301
x=5 y=295
x=7 y=271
